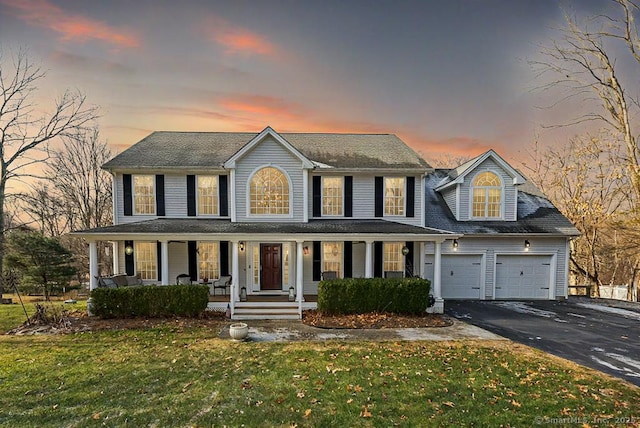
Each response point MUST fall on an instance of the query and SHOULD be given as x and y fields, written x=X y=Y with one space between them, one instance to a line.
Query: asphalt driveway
x=588 y=332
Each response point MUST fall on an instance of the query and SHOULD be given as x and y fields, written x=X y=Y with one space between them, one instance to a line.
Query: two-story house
x=278 y=212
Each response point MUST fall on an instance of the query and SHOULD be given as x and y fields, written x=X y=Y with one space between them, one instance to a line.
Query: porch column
x=438 y=307
x=299 y=275
x=368 y=259
x=93 y=265
x=164 y=256
x=235 y=275
x=115 y=249
x=421 y=259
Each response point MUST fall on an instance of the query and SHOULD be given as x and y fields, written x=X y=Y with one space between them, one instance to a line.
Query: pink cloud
x=237 y=40
x=42 y=13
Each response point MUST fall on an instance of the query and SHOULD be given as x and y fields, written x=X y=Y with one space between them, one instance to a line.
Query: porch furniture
x=183 y=279
x=223 y=283
x=120 y=280
x=329 y=275
x=393 y=274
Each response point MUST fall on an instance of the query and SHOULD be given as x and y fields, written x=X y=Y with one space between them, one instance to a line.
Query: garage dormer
x=483 y=189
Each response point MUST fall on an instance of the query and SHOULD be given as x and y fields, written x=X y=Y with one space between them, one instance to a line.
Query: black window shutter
x=160 y=195
x=408 y=260
x=223 y=184
x=378 y=254
x=411 y=196
x=317 y=260
x=192 y=249
x=317 y=196
x=159 y=257
x=128 y=194
x=224 y=258
x=191 y=196
x=348 y=196
x=129 y=264
x=348 y=259
x=379 y=195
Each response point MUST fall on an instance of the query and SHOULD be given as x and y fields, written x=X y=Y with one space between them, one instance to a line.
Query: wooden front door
x=271 y=263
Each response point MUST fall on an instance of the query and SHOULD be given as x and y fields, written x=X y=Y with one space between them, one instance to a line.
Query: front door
x=271 y=263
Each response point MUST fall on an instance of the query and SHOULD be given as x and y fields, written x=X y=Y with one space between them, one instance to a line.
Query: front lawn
x=176 y=375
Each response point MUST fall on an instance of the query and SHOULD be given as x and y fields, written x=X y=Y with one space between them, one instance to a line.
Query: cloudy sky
x=445 y=76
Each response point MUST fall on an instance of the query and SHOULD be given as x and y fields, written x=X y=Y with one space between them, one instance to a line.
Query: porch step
x=266 y=311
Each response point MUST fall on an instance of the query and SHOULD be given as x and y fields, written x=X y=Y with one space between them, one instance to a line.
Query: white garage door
x=523 y=277
x=461 y=275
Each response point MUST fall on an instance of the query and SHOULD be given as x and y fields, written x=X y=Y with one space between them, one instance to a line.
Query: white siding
x=496 y=245
x=178 y=260
x=175 y=195
x=449 y=196
x=269 y=152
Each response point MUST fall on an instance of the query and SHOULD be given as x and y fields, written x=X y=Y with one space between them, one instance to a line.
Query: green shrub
x=150 y=301
x=363 y=295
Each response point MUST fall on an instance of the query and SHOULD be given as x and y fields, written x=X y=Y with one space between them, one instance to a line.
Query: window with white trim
x=487 y=195
x=393 y=259
x=207 y=194
x=394 y=193
x=332 y=196
x=144 y=198
x=146 y=260
x=208 y=260
x=256 y=265
x=332 y=257
x=269 y=192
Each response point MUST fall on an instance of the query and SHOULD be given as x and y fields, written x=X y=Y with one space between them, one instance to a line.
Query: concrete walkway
x=284 y=331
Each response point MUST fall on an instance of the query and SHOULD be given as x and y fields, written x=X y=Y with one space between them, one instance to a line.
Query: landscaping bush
x=150 y=301
x=363 y=295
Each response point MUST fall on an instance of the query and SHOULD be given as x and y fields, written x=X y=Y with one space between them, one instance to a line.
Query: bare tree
x=25 y=133
x=585 y=181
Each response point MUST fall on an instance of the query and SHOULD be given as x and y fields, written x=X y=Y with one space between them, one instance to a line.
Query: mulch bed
x=375 y=320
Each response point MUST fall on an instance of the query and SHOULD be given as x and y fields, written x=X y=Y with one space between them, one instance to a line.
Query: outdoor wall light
x=405 y=250
x=241 y=246
x=455 y=244
x=128 y=250
x=292 y=294
x=305 y=250
x=527 y=244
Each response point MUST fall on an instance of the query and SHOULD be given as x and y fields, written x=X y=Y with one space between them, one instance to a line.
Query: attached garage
x=461 y=275
x=523 y=276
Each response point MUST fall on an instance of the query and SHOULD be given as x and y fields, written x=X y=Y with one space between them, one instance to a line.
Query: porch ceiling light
x=241 y=246
x=405 y=250
x=128 y=250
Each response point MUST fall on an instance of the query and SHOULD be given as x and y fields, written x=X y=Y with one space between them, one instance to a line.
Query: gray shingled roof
x=536 y=214
x=168 y=150
x=224 y=226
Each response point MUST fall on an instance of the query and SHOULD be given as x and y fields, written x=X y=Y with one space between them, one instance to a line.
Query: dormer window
x=269 y=192
x=487 y=195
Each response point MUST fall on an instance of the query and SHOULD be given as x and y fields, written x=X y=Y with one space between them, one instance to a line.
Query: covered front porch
x=270 y=266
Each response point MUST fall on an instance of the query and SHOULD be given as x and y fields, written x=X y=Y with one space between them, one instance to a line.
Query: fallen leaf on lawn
x=96 y=416
x=307 y=413
x=449 y=404
x=350 y=400
x=184 y=388
x=365 y=413
x=515 y=403
x=300 y=394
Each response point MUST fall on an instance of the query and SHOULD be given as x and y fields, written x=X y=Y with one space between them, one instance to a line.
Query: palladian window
x=487 y=195
x=269 y=192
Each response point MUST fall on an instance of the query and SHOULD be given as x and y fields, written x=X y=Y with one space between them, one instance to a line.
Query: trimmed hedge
x=150 y=301
x=363 y=295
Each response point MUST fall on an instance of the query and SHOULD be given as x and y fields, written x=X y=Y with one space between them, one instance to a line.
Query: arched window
x=487 y=195
x=269 y=192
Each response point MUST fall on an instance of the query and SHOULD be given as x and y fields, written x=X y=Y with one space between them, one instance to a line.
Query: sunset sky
x=445 y=76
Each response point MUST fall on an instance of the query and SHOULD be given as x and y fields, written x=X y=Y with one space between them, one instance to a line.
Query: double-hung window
x=332 y=253
x=208 y=195
x=394 y=195
x=147 y=260
x=332 y=196
x=393 y=258
x=208 y=260
x=144 y=200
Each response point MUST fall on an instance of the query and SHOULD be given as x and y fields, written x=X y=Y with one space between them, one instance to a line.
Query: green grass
x=13 y=315
x=178 y=376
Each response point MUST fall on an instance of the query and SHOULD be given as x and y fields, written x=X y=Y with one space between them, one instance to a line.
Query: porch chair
x=183 y=279
x=329 y=275
x=223 y=283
